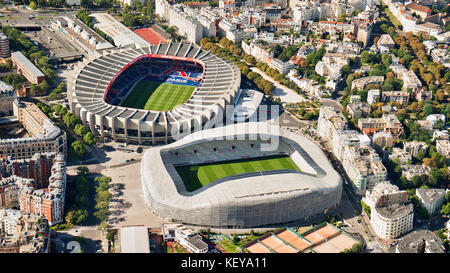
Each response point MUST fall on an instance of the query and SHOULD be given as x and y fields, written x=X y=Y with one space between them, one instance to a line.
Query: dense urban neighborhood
x=240 y=126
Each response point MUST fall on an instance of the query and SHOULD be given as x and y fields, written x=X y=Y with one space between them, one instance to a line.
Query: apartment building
x=413 y=147
x=7 y=97
x=260 y=52
x=431 y=199
x=22 y=232
x=46 y=136
x=190 y=240
x=400 y=154
x=5 y=51
x=44 y=199
x=364 y=167
x=162 y=9
x=382 y=140
x=411 y=170
x=401 y=97
x=282 y=67
x=443 y=147
x=386 y=41
x=410 y=80
x=388 y=122
x=358 y=109
x=329 y=122
x=361 y=83
x=420 y=241
x=392 y=215
x=442 y=56
x=26 y=68
x=373 y=96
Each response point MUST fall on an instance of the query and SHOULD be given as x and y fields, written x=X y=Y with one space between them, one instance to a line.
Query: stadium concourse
x=244 y=197
x=101 y=86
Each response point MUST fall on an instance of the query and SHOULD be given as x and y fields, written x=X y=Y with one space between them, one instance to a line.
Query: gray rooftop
x=420 y=241
x=134 y=240
x=26 y=62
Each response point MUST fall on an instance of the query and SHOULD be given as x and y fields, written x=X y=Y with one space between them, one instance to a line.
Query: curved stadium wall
x=89 y=92
x=240 y=201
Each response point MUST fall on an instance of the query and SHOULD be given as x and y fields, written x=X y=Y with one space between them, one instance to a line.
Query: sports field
x=197 y=176
x=157 y=96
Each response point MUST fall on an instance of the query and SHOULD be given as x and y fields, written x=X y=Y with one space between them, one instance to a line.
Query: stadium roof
x=134 y=240
x=219 y=84
x=165 y=190
x=26 y=62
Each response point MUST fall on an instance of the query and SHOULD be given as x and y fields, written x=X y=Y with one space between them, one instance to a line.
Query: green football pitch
x=197 y=176
x=157 y=96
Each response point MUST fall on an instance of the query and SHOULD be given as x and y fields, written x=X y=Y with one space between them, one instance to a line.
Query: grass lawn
x=157 y=96
x=197 y=176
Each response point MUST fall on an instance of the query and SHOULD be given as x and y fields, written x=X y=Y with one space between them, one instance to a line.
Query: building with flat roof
x=260 y=52
x=22 y=232
x=413 y=147
x=7 y=96
x=121 y=35
x=411 y=170
x=35 y=186
x=443 y=147
x=46 y=136
x=329 y=122
x=420 y=241
x=134 y=239
x=401 y=97
x=431 y=199
x=388 y=123
x=361 y=83
x=392 y=215
x=190 y=240
x=26 y=68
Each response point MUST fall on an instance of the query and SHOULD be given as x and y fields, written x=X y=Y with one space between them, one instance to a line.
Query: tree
x=33 y=6
x=80 y=130
x=428 y=109
x=89 y=138
x=111 y=234
x=70 y=120
x=446 y=209
x=78 y=148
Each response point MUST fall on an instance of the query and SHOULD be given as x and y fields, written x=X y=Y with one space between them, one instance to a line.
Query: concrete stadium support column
x=165 y=126
x=153 y=132
x=92 y=123
x=82 y=116
x=139 y=133
x=113 y=128
x=102 y=131
x=125 y=129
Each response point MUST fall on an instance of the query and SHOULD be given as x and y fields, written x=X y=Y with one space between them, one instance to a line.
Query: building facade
x=46 y=136
x=27 y=68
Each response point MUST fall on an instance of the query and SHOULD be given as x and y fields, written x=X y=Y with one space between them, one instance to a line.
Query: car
x=127 y=160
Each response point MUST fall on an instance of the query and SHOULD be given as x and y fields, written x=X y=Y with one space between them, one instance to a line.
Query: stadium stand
x=99 y=86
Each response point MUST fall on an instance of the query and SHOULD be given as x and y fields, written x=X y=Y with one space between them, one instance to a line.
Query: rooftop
x=30 y=66
x=420 y=241
x=134 y=239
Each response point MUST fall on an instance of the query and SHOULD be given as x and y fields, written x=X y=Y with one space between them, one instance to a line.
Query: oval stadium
x=150 y=95
x=225 y=177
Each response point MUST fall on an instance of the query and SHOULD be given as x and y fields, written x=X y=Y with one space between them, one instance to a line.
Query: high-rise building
x=5 y=52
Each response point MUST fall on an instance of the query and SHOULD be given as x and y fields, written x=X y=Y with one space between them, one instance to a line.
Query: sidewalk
x=284 y=93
